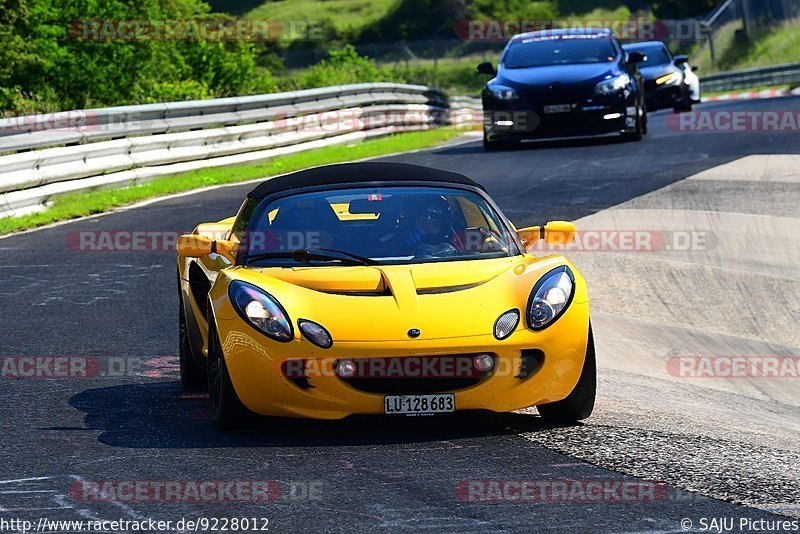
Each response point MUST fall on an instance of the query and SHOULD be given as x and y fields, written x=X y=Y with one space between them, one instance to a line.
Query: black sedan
x=668 y=80
x=563 y=83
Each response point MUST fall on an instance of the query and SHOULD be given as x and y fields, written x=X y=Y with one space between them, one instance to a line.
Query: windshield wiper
x=308 y=255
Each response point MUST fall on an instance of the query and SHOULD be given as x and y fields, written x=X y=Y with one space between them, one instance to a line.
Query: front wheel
x=639 y=131
x=227 y=411
x=193 y=376
x=580 y=403
x=492 y=146
x=645 y=122
x=685 y=105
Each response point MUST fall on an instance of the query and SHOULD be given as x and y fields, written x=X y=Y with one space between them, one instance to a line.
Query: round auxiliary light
x=346 y=368
x=483 y=362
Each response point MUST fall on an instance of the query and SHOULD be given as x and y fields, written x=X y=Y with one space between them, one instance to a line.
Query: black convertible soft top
x=357 y=173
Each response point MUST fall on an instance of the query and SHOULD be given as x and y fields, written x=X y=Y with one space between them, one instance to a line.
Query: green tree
x=677 y=9
x=50 y=58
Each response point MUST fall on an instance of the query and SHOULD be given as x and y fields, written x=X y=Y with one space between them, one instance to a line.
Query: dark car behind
x=563 y=83
x=666 y=83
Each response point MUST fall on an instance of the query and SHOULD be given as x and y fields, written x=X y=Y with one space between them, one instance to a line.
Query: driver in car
x=431 y=232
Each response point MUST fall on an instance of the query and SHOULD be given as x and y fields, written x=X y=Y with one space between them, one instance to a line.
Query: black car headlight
x=261 y=310
x=501 y=92
x=550 y=297
x=612 y=85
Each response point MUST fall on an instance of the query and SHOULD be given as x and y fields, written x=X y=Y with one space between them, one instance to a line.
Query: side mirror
x=198 y=246
x=636 y=57
x=694 y=68
x=487 y=68
x=194 y=245
x=554 y=233
x=226 y=249
x=559 y=233
x=679 y=60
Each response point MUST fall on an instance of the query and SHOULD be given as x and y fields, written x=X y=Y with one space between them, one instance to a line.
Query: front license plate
x=559 y=108
x=419 y=404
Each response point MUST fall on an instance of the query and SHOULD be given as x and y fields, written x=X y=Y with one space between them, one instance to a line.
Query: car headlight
x=669 y=79
x=261 y=310
x=612 y=85
x=315 y=333
x=503 y=93
x=550 y=297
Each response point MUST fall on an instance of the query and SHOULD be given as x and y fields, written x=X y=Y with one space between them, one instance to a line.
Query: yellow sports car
x=381 y=288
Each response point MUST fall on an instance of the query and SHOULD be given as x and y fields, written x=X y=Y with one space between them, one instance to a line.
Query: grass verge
x=774 y=47
x=83 y=204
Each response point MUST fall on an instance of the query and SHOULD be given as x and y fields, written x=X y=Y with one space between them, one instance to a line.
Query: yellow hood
x=381 y=303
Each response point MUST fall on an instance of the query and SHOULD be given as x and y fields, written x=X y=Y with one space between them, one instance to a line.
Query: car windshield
x=559 y=50
x=656 y=55
x=383 y=225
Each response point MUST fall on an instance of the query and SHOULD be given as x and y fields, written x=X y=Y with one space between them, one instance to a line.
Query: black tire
x=492 y=146
x=638 y=132
x=645 y=122
x=686 y=104
x=580 y=403
x=193 y=376
x=227 y=411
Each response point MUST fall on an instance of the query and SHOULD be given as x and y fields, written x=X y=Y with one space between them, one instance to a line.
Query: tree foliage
x=43 y=65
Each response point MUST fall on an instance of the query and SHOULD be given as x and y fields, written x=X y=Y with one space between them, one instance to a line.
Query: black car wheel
x=580 y=403
x=685 y=104
x=491 y=146
x=636 y=134
x=227 y=411
x=645 y=121
x=192 y=374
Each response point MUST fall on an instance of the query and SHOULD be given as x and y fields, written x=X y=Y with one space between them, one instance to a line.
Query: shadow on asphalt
x=473 y=148
x=163 y=415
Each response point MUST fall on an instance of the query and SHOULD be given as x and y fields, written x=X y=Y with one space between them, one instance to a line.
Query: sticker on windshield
x=565 y=37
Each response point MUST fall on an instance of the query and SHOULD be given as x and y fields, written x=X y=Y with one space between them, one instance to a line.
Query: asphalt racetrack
x=722 y=280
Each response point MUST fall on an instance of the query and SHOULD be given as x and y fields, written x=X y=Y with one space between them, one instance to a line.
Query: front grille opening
x=413 y=375
x=530 y=362
x=295 y=371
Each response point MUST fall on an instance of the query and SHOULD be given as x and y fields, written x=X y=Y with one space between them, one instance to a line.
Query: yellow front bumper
x=255 y=366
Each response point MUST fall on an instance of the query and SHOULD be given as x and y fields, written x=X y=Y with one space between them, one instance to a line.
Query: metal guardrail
x=749 y=78
x=77 y=151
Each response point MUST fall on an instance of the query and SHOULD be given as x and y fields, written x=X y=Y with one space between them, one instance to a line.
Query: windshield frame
x=520 y=42
x=643 y=48
x=242 y=256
